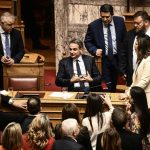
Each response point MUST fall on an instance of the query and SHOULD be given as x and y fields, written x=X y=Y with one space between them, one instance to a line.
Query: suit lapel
x=70 y=67
x=86 y=63
x=1 y=47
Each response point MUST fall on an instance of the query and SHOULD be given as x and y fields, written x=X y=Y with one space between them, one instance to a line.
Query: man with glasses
x=11 y=43
x=128 y=57
x=78 y=72
x=104 y=39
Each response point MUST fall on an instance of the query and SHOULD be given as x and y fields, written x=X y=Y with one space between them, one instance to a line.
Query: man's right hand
x=74 y=79
x=99 y=52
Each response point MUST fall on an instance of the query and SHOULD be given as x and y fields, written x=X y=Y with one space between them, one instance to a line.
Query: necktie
x=79 y=73
x=110 y=46
x=7 y=45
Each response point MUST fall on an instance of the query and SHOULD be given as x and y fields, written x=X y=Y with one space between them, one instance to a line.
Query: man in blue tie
x=78 y=72
x=11 y=43
x=104 y=39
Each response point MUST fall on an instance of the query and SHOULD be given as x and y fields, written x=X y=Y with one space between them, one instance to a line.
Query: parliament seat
x=24 y=84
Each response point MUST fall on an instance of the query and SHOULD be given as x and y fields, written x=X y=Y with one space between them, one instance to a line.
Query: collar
x=79 y=58
x=1 y=30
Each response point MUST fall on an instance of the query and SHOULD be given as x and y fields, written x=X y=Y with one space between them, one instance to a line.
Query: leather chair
x=24 y=84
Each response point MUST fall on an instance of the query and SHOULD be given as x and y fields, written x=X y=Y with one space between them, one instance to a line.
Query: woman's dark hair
x=141 y=108
x=143 y=46
x=111 y=140
x=107 y=8
x=94 y=107
x=71 y=111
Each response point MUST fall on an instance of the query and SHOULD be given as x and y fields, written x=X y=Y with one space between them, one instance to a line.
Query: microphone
x=87 y=90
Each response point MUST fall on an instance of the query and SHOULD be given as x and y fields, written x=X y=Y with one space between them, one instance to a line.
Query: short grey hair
x=4 y=17
x=69 y=126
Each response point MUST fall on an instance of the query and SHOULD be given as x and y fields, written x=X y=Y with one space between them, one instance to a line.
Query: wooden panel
x=53 y=105
x=24 y=71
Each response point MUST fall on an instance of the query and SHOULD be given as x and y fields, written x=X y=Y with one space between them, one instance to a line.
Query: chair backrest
x=23 y=84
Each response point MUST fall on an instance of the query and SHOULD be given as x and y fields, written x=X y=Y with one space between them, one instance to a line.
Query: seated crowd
x=103 y=127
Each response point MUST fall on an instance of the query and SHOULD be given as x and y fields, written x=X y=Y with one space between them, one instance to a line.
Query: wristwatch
x=10 y=101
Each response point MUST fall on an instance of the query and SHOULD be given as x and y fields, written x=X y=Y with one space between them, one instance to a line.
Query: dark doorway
x=38 y=17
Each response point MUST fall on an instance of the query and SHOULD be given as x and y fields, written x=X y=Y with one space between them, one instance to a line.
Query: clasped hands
x=7 y=60
x=81 y=78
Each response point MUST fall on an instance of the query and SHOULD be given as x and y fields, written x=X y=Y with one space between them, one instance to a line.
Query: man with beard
x=128 y=56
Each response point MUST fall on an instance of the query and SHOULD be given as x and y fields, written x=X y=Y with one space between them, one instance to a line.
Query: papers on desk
x=63 y=95
x=4 y=92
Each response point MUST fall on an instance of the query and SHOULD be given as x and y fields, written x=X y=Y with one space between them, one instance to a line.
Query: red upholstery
x=24 y=84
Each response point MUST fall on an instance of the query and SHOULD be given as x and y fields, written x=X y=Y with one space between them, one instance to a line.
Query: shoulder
x=66 y=59
x=87 y=57
x=118 y=18
x=95 y=22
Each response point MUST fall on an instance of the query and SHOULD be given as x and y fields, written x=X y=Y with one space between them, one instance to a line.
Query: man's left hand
x=88 y=78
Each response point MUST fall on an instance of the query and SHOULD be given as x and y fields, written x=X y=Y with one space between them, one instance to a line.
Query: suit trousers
x=110 y=72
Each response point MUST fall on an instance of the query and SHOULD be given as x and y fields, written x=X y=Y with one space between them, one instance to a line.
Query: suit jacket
x=129 y=141
x=6 y=117
x=17 y=47
x=26 y=122
x=65 y=72
x=126 y=56
x=141 y=77
x=67 y=143
x=94 y=38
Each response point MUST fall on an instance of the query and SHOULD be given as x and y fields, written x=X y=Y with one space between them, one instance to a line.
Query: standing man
x=128 y=57
x=78 y=72
x=11 y=43
x=104 y=39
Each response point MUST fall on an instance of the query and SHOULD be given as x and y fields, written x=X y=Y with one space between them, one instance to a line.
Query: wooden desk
x=53 y=105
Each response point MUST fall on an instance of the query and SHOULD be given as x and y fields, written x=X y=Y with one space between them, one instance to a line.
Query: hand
x=123 y=96
x=107 y=100
x=19 y=104
x=99 y=52
x=7 y=60
x=88 y=77
x=75 y=79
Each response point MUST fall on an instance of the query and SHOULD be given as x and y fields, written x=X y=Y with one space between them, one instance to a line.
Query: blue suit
x=94 y=40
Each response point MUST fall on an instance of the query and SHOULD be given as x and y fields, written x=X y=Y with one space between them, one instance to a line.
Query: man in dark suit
x=34 y=107
x=78 y=72
x=129 y=140
x=128 y=56
x=11 y=43
x=104 y=39
x=7 y=117
x=70 y=130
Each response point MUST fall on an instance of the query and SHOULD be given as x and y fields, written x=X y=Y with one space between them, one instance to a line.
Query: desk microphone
x=87 y=90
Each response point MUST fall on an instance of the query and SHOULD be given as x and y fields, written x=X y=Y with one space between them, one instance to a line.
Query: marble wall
x=73 y=16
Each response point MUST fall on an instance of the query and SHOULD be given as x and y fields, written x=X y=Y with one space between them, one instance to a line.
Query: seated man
x=78 y=72
x=70 y=129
